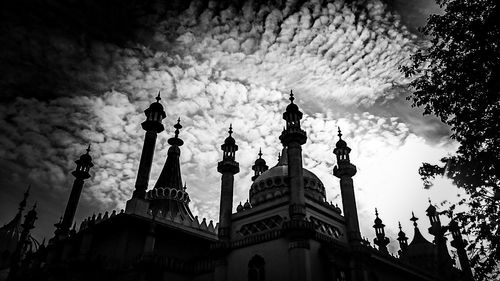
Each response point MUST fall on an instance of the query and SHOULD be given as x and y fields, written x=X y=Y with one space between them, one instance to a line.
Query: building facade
x=285 y=231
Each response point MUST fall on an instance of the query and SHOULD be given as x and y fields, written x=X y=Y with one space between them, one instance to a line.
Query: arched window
x=256 y=270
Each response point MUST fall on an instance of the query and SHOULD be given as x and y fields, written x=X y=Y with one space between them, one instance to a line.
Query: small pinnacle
x=340 y=133
x=279 y=156
x=177 y=127
x=291 y=96
x=260 y=153
x=88 y=149
x=230 y=129
x=414 y=219
x=430 y=202
x=158 y=98
x=399 y=224
x=376 y=212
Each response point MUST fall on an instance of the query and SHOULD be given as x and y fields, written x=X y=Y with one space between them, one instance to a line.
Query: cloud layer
x=219 y=63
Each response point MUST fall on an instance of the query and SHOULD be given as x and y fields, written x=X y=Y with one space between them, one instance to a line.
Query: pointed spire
x=158 y=98
x=339 y=133
x=414 y=219
x=291 y=96
x=170 y=175
x=230 y=129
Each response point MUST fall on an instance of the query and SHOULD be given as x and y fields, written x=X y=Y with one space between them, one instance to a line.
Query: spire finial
x=400 y=228
x=340 y=133
x=158 y=98
x=279 y=156
x=376 y=212
x=230 y=129
x=88 y=149
x=291 y=96
x=185 y=185
x=414 y=219
x=260 y=153
x=177 y=127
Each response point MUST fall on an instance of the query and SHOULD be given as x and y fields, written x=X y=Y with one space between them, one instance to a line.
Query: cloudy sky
x=83 y=72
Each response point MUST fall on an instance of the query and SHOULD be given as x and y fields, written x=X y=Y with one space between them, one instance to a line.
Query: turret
x=81 y=173
x=153 y=125
x=293 y=137
x=459 y=243
x=228 y=167
x=259 y=167
x=381 y=241
x=345 y=171
x=403 y=241
x=438 y=231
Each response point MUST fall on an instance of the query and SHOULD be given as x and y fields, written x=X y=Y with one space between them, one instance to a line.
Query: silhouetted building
x=286 y=230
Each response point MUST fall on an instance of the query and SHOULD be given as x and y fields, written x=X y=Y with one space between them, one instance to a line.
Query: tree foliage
x=457 y=78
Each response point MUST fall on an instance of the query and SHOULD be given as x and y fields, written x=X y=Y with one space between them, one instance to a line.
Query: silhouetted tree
x=457 y=78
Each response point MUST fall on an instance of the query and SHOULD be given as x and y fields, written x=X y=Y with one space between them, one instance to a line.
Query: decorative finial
x=414 y=219
x=88 y=149
x=177 y=127
x=291 y=96
x=230 y=129
x=185 y=185
x=400 y=228
x=279 y=156
x=158 y=98
x=260 y=153
x=340 y=133
x=376 y=212
x=429 y=199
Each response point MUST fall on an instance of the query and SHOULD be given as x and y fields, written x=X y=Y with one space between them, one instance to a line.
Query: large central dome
x=275 y=183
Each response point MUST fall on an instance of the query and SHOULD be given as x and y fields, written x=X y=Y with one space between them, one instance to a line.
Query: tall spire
x=293 y=137
x=345 y=170
x=81 y=173
x=381 y=241
x=153 y=126
x=170 y=176
x=228 y=167
x=259 y=166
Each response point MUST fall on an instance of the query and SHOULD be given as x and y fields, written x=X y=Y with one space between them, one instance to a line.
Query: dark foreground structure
x=285 y=231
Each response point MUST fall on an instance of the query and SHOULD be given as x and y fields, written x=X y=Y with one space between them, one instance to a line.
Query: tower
x=459 y=243
x=438 y=231
x=29 y=223
x=293 y=137
x=81 y=173
x=403 y=241
x=154 y=116
x=259 y=166
x=345 y=171
x=228 y=167
x=381 y=241
x=169 y=195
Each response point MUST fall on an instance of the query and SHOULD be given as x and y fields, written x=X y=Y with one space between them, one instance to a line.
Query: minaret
x=259 y=167
x=403 y=241
x=381 y=241
x=345 y=171
x=29 y=223
x=459 y=244
x=170 y=175
x=438 y=231
x=228 y=167
x=81 y=173
x=154 y=116
x=293 y=137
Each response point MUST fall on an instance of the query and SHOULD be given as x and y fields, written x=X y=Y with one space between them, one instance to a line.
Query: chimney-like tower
x=293 y=137
x=154 y=116
x=345 y=171
x=228 y=167
x=81 y=173
x=381 y=241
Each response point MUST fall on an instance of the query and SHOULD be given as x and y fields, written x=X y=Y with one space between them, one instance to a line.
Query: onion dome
x=292 y=107
x=154 y=116
x=239 y=208
x=247 y=205
x=230 y=140
x=83 y=165
x=259 y=167
x=340 y=143
x=274 y=184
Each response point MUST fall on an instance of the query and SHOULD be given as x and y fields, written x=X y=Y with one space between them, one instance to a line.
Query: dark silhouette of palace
x=285 y=231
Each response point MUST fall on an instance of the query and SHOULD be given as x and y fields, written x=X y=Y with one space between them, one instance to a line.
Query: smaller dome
x=431 y=209
x=247 y=205
x=341 y=144
x=229 y=141
x=85 y=158
x=239 y=208
x=260 y=162
x=292 y=107
x=378 y=221
x=156 y=106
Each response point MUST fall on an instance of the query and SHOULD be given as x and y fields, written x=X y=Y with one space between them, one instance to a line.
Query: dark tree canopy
x=457 y=78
